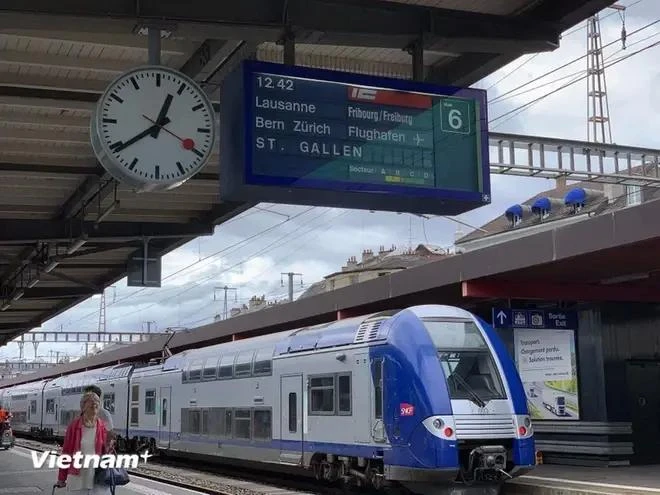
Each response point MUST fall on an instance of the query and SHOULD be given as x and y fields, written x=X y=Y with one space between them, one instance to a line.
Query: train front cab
x=454 y=405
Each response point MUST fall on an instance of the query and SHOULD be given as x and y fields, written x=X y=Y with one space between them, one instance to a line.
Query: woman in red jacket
x=85 y=434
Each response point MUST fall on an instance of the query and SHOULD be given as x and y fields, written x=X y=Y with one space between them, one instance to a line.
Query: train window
x=150 y=401
x=293 y=412
x=195 y=371
x=243 y=365
x=377 y=373
x=262 y=424
x=210 y=370
x=322 y=395
x=194 y=422
x=216 y=421
x=135 y=393
x=449 y=334
x=135 y=416
x=33 y=407
x=50 y=406
x=185 y=423
x=109 y=402
x=242 y=426
x=205 y=422
x=344 y=394
x=263 y=364
x=226 y=368
x=228 y=423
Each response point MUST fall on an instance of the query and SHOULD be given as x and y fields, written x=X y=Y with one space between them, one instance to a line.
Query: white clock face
x=154 y=128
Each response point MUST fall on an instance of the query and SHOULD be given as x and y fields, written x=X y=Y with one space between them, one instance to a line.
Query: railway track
x=215 y=479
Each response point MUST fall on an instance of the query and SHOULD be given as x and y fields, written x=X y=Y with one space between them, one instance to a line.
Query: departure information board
x=296 y=132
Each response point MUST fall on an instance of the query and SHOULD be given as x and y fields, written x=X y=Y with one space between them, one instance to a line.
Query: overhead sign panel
x=305 y=136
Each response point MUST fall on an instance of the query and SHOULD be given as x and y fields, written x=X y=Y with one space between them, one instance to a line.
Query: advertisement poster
x=547 y=365
x=545 y=355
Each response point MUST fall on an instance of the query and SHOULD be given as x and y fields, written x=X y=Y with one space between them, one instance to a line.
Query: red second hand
x=187 y=143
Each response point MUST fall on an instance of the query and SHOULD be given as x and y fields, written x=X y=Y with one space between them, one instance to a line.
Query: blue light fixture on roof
x=514 y=211
x=542 y=205
x=576 y=196
x=514 y=214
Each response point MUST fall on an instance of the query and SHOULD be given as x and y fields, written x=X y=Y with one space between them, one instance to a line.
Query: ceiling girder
x=29 y=231
x=337 y=22
x=57 y=293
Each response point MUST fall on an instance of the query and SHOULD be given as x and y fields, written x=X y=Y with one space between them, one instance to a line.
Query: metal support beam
x=551 y=158
x=91 y=337
x=57 y=293
x=288 y=43
x=154 y=45
x=542 y=290
x=94 y=188
x=416 y=51
x=29 y=231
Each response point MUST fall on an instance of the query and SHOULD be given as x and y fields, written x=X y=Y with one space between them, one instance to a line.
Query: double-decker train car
x=418 y=398
x=62 y=398
x=26 y=402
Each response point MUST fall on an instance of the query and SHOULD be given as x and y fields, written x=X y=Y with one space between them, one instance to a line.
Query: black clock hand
x=161 y=116
x=118 y=146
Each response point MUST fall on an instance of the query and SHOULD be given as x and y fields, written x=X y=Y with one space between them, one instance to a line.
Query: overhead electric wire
x=564 y=35
x=513 y=71
x=198 y=282
x=576 y=73
x=523 y=107
x=614 y=12
x=571 y=62
x=215 y=254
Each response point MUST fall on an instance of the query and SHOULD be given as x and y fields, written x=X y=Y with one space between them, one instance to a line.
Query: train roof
x=359 y=329
x=114 y=372
x=26 y=388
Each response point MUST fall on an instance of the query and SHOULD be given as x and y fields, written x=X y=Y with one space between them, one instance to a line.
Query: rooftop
x=564 y=203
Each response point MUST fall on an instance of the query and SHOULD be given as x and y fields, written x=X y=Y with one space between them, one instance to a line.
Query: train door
x=164 y=419
x=377 y=384
x=642 y=378
x=291 y=408
x=56 y=423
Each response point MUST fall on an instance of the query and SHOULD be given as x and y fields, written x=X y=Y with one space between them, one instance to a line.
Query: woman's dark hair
x=93 y=388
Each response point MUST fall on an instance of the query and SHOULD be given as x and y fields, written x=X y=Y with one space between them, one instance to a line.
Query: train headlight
x=524 y=427
x=440 y=426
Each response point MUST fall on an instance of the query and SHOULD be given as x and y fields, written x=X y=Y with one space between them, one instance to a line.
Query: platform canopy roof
x=56 y=58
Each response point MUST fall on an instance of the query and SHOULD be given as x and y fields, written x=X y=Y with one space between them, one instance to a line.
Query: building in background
x=373 y=265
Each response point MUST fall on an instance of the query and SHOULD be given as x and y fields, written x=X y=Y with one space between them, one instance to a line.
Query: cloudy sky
x=249 y=253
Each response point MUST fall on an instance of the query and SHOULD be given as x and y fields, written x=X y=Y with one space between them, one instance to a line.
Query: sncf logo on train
x=406 y=409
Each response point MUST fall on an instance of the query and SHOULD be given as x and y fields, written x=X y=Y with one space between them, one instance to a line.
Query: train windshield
x=466 y=359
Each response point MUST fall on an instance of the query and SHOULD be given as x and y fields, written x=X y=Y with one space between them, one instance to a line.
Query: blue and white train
x=416 y=398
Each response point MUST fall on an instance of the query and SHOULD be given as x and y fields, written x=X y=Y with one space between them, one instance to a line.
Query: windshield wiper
x=475 y=396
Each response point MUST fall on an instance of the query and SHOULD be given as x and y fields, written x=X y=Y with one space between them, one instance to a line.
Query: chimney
x=350 y=264
x=613 y=192
x=457 y=235
x=367 y=255
x=560 y=182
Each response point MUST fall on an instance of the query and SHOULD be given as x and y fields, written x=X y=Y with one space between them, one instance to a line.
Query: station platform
x=574 y=480
x=19 y=477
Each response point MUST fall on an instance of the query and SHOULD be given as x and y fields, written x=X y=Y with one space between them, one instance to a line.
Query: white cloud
x=317 y=242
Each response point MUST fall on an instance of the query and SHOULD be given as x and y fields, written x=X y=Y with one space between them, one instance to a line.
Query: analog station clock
x=153 y=128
